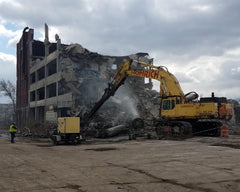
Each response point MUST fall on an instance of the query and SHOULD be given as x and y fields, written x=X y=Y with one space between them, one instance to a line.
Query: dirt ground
x=196 y=164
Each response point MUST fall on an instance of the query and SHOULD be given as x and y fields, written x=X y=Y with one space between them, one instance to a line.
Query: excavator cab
x=168 y=104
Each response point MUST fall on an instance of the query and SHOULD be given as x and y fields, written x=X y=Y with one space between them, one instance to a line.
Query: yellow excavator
x=180 y=114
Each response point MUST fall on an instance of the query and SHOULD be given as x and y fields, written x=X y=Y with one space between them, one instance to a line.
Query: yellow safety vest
x=12 y=129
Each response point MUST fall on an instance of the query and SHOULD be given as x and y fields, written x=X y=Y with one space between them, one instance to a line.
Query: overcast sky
x=198 y=40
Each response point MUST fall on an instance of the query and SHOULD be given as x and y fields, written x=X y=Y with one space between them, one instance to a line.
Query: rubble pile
x=234 y=124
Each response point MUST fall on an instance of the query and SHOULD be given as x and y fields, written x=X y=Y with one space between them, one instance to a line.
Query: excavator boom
x=169 y=84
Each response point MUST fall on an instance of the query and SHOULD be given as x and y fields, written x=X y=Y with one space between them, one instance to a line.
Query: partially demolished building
x=57 y=80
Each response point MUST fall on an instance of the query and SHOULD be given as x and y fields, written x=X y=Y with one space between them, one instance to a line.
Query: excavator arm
x=169 y=84
x=117 y=81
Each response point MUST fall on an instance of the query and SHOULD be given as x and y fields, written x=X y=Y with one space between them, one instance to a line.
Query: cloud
x=5 y=32
x=11 y=35
x=14 y=39
x=177 y=27
x=8 y=67
x=197 y=40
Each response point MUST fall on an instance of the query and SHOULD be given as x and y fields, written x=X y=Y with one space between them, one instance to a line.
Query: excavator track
x=173 y=129
x=186 y=129
x=207 y=127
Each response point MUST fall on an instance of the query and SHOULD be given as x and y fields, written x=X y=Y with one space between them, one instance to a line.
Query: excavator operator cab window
x=173 y=104
x=168 y=104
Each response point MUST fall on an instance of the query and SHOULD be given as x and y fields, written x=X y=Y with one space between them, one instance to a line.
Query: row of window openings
x=51 y=91
x=38 y=113
x=51 y=68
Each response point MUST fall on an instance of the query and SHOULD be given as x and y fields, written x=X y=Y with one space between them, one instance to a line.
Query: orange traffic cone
x=224 y=131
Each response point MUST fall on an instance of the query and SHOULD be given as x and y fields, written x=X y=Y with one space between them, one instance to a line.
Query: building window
x=40 y=73
x=32 y=78
x=52 y=67
x=32 y=96
x=52 y=47
x=51 y=90
x=40 y=114
x=114 y=67
x=62 y=87
x=41 y=93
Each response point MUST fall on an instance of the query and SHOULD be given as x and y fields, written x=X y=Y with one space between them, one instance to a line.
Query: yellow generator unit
x=69 y=125
x=68 y=131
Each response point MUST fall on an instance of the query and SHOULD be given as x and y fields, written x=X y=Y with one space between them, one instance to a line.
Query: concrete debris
x=234 y=124
x=112 y=131
x=75 y=49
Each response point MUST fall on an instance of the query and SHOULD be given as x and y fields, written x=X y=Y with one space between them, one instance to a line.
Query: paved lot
x=197 y=164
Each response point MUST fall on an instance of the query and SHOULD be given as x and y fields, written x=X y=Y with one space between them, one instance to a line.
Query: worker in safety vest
x=12 y=130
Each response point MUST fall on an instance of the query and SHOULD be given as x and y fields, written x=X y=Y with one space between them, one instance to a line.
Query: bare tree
x=7 y=88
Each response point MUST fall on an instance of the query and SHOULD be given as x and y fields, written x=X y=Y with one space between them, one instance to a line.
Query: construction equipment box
x=69 y=125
